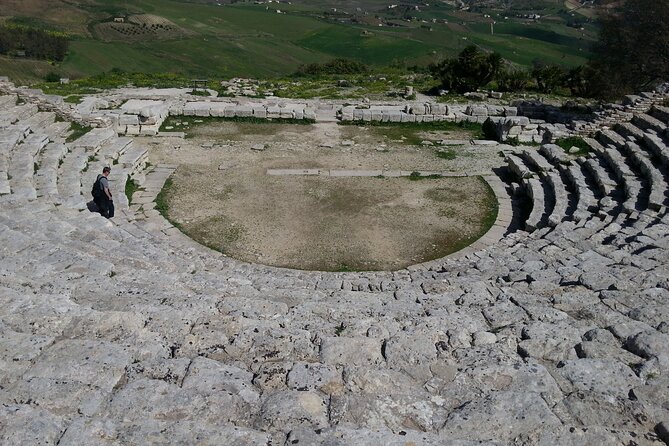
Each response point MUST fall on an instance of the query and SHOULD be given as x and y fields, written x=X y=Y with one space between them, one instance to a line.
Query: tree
x=513 y=80
x=632 y=53
x=472 y=69
x=548 y=77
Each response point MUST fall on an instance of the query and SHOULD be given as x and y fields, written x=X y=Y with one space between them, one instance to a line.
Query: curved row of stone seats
x=535 y=345
x=46 y=176
x=624 y=177
x=649 y=123
x=517 y=165
x=586 y=203
x=653 y=173
x=560 y=199
x=629 y=131
x=114 y=336
x=656 y=145
x=544 y=186
x=126 y=160
x=25 y=155
x=658 y=187
x=603 y=180
x=537 y=160
x=535 y=191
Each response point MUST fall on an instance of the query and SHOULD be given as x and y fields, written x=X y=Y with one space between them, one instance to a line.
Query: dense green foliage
x=336 y=66
x=513 y=80
x=34 y=43
x=574 y=141
x=472 y=69
x=548 y=78
x=77 y=131
x=632 y=53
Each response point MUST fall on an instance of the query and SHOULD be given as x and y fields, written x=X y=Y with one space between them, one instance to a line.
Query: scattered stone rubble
x=127 y=332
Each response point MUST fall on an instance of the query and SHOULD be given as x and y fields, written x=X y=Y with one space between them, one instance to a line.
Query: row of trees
x=34 y=43
x=632 y=54
x=474 y=68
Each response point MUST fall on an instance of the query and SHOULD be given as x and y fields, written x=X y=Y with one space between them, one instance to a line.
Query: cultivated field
x=245 y=39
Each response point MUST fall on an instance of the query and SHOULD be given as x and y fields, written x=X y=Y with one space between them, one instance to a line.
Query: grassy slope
x=249 y=40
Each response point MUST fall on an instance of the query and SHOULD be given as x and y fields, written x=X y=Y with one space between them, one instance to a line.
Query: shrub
x=472 y=69
x=548 y=77
x=514 y=80
x=52 y=77
x=335 y=66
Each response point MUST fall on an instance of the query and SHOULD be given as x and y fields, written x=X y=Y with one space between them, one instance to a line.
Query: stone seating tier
x=128 y=332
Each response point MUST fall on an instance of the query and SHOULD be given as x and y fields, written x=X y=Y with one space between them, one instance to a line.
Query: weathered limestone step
x=46 y=177
x=586 y=203
x=40 y=121
x=152 y=185
x=93 y=140
x=7 y=101
x=660 y=113
x=34 y=143
x=607 y=185
x=18 y=113
x=21 y=170
x=537 y=160
x=58 y=131
x=535 y=191
x=647 y=122
x=134 y=158
x=69 y=178
x=560 y=194
x=594 y=145
x=658 y=186
x=11 y=136
x=610 y=138
x=113 y=149
x=517 y=166
x=554 y=154
x=631 y=182
x=628 y=130
x=656 y=146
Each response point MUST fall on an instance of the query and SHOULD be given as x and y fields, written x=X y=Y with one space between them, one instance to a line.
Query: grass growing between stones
x=412 y=133
x=491 y=209
x=77 y=131
x=130 y=188
x=416 y=176
x=186 y=123
x=448 y=154
x=574 y=141
x=162 y=198
x=73 y=99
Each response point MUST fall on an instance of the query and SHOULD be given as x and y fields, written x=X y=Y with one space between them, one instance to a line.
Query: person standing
x=102 y=195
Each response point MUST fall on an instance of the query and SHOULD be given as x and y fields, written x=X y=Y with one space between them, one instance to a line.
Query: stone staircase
x=127 y=332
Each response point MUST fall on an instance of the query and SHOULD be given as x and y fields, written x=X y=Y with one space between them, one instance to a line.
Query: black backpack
x=96 y=191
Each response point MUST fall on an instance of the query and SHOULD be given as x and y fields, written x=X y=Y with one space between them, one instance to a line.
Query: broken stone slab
x=648 y=344
x=345 y=435
x=606 y=377
x=315 y=376
x=351 y=351
x=508 y=414
x=293 y=408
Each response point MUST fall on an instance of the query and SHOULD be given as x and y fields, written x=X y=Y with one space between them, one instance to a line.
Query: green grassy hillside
x=245 y=39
